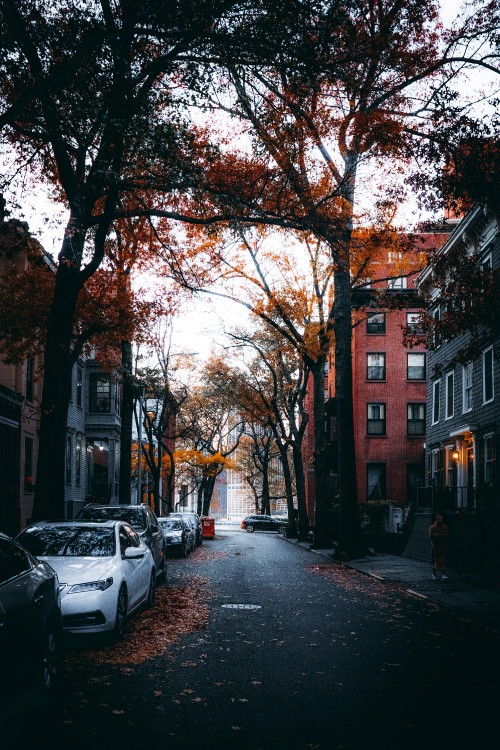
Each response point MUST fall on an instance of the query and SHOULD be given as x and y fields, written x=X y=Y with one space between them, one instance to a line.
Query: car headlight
x=80 y=588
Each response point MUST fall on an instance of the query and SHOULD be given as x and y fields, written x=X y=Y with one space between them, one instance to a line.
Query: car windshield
x=172 y=525
x=133 y=516
x=71 y=541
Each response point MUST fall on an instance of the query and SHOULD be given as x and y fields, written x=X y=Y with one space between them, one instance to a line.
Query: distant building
x=93 y=427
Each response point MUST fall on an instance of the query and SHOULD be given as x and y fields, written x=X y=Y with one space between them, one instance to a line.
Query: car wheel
x=162 y=572
x=150 y=601
x=121 y=613
x=250 y=528
x=49 y=665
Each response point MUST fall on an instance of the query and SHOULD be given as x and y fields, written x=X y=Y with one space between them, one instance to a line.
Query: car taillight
x=242 y=524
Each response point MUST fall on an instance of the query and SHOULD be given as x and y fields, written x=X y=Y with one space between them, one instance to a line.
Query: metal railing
x=432 y=498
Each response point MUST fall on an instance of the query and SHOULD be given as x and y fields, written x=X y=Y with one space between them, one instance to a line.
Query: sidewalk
x=472 y=596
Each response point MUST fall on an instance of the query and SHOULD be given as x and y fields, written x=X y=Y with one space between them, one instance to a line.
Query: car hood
x=80 y=569
x=170 y=534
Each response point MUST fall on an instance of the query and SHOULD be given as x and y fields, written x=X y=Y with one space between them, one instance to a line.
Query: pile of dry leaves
x=178 y=610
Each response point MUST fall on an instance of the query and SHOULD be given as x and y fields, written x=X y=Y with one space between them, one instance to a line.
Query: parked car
x=179 y=535
x=30 y=621
x=262 y=523
x=143 y=519
x=105 y=571
x=195 y=522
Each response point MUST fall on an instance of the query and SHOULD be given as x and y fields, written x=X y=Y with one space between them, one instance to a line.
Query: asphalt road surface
x=282 y=650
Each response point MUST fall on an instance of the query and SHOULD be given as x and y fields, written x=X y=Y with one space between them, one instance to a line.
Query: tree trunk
x=127 y=415
x=265 y=499
x=48 y=500
x=322 y=535
x=207 y=495
x=287 y=477
x=300 y=488
x=349 y=529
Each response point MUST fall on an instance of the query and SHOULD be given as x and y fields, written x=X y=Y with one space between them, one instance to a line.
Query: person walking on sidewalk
x=438 y=534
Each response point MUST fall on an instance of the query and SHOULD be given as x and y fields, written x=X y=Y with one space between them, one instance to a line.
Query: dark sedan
x=30 y=621
x=178 y=535
x=262 y=523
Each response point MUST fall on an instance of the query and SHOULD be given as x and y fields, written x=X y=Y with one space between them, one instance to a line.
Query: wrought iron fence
x=432 y=498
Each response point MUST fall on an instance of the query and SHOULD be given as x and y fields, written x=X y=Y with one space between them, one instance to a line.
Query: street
x=280 y=649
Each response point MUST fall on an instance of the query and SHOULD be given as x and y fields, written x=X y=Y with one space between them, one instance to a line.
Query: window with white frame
x=451 y=466
x=436 y=338
x=489 y=459
x=69 y=458
x=449 y=393
x=436 y=401
x=467 y=387
x=488 y=386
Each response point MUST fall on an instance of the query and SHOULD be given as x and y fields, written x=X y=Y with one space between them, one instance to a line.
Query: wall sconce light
x=455 y=455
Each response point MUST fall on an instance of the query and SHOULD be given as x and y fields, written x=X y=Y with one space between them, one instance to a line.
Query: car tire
x=121 y=614
x=250 y=528
x=150 y=601
x=162 y=571
x=48 y=675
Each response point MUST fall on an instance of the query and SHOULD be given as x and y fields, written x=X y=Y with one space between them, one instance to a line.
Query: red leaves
x=178 y=610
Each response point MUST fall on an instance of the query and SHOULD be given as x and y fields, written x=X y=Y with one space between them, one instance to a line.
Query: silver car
x=105 y=571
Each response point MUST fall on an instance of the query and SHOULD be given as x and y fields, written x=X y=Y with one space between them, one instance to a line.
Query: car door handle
x=38 y=599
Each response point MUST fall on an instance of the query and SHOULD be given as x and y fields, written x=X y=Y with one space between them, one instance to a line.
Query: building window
x=436 y=398
x=117 y=396
x=375 y=323
x=30 y=379
x=78 y=460
x=488 y=376
x=436 y=338
x=375 y=481
x=79 y=386
x=449 y=383
x=467 y=387
x=399 y=283
x=375 y=366
x=415 y=421
x=375 y=421
x=99 y=394
x=413 y=322
x=437 y=468
x=451 y=466
x=69 y=458
x=415 y=366
x=489 y=459
x=28 y=464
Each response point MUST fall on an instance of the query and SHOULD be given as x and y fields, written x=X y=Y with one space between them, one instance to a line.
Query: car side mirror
x=134 y=553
